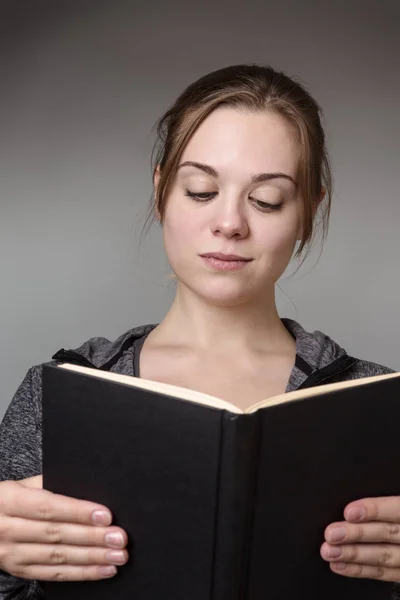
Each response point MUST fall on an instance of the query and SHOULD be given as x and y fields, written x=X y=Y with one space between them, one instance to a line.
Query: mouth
x=225 y=262
x=227 y=257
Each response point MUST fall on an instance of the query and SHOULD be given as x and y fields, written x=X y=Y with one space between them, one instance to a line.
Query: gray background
x=81 y=87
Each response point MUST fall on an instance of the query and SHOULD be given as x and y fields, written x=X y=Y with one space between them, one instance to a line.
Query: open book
x=219 y=504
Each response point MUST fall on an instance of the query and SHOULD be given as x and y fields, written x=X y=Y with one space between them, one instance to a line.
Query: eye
x=266 y=206
x=201 y=196
x=206 y=196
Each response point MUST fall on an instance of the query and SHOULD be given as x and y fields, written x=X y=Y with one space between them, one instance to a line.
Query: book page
x=317 y=390
x=213 y=402
x=155 y=386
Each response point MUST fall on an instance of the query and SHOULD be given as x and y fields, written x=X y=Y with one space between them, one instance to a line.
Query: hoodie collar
x=318 y=357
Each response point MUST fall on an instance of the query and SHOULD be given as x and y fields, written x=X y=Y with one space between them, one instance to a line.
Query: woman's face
x=241 y=210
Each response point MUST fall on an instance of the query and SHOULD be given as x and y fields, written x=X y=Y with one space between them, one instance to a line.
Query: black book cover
x=316 y=456
x=160 y=466
x=217 y=505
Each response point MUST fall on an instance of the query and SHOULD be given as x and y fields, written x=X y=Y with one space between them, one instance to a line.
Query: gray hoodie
x=318 y=360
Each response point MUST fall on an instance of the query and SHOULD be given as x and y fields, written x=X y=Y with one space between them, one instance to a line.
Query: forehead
x=246 y=141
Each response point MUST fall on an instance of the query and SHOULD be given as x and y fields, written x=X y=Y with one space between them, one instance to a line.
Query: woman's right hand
x=51 y=537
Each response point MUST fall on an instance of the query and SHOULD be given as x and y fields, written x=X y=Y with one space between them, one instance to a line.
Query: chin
x=222 y=293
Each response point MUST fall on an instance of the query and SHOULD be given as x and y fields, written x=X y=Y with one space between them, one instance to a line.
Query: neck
x=249 y=326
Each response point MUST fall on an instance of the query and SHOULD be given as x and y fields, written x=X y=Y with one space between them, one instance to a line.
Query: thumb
x=33 y=482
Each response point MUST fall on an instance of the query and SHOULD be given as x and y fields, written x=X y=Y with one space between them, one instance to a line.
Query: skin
x=51 y=537
x=216 y=315
x=207 y=304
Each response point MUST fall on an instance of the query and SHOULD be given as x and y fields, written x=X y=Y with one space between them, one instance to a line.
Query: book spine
x=238 y=452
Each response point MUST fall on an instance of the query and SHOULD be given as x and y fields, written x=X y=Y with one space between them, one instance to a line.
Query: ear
x=316 y=205
x=157 y=175
x=321 y=197
x=156 y=181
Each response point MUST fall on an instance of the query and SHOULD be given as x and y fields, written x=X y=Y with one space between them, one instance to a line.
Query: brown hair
x=252 y=87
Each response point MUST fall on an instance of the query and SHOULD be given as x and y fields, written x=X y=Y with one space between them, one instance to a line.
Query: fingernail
x=338 y=566
x=114 y=539
x=337 y=534
x=107 y=570
x=356 y=514
x=335 y=552
x=101 y=517
x=115 y=557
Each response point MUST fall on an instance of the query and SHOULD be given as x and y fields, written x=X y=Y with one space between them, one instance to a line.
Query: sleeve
x=21 y=457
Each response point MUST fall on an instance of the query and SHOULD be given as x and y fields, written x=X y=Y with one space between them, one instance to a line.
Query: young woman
x=241 y=173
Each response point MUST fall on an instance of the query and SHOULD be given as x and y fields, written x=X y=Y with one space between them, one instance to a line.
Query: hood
x=316 y=348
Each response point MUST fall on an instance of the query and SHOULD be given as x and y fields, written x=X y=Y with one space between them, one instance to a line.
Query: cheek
x=276 y=244
x=279 y=237
x=179 y=231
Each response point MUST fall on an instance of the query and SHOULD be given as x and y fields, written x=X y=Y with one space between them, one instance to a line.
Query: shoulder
x=321 y=351
x=365 y=368
x=99 y=350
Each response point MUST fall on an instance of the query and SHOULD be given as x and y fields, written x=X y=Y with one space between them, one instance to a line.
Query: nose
x=229 y=219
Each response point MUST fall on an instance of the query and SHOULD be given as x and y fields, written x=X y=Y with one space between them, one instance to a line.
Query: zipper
x=77 y=359
x=73 y=357
x=338 y=366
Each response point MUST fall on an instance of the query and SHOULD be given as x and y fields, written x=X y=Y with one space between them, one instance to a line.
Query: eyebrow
x=255 y=179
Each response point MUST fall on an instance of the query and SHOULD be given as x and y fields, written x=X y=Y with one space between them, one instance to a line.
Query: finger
x=57 y=554
x=347 y=533
x=66 y=573
x=365 y=571
x=15 y=529
x=32 y=482
x=381 y=555
x=386 y=508
x=43 y=505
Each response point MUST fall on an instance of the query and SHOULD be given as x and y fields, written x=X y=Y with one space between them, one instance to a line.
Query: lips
x=227 y=257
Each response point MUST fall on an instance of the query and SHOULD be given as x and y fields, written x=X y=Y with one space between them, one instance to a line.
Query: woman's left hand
x=367 y=543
